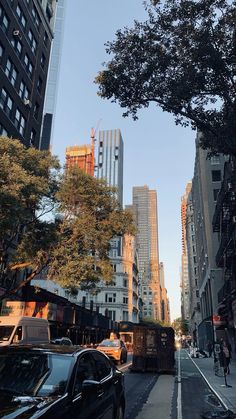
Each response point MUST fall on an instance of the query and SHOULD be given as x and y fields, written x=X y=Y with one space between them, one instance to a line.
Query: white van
x=23 y=329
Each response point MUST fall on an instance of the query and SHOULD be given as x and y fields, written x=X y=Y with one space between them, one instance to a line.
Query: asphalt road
x=191 y=397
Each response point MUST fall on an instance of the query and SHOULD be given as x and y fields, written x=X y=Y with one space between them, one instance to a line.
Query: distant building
x=145 y=214
x=81 y=156
x=110 y=160
x=185 y=286
x=26 y=33
x=165 y=305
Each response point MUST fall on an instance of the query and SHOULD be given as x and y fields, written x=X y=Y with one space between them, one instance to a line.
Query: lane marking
x=179 y=397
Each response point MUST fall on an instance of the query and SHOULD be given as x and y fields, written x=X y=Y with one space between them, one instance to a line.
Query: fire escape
x=224 y=222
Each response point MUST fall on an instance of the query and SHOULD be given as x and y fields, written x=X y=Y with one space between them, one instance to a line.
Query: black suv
x=48 y=381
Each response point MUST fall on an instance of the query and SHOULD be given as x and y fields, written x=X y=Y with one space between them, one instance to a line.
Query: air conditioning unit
x=27 y=103
x=17 y=34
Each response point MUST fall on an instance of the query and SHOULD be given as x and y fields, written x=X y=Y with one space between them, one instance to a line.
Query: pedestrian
x=209 y=348
x=225 y=355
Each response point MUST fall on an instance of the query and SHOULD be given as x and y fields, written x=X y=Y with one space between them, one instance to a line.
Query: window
x=6 y=102
x=20 y=122
x=110 y=297
x=125 y=315
x=4 y=20
x=3 y=131
x=21 y=16
x=125 y=283
x=32 y=41
x=112 y=315
x=17 y=45
x=36 y=17
x=39 y=85
x=85 y=371
x=215 y=194
x=11 y=72
x=45 y=39
x=23 y=91
x=32 y=140
x=102 y=366
x=125 y=300
x=215 y=159
x=216 y=175
x=43 y=61
x=36 y=110
x=28 y=65
x=1 y=50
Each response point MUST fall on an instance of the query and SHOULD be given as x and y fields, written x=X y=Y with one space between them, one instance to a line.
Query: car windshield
x=34 y=374
x=5 y=332
x=111 y=343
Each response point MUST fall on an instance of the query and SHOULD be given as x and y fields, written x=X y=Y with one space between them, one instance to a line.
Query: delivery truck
x=23 y=330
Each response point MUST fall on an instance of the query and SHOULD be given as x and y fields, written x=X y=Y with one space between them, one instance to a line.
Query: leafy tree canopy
x=91 y=217
x=28 y=183
x=183 y=58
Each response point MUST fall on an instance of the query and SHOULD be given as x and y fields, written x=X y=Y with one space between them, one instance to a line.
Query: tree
x=91 y=217
x=183 y=58
x=29 y=181
x=180 y=326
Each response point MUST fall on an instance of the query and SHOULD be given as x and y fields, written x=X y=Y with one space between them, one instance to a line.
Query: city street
x=186 y=395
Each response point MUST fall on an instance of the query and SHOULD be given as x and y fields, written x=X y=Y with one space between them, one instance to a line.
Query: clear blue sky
x=157 y=153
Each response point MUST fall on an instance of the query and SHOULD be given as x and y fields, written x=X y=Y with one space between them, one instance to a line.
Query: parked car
x=62 y=341
x=115 y=349
x=49 y=381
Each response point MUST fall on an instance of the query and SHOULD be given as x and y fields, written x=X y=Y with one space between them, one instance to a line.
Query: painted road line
x=179 y=397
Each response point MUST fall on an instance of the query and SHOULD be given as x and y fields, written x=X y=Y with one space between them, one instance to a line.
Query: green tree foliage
x=28 y=183
x=91 y=217
x=180 y=326
x=183 y=58
x=74 y=249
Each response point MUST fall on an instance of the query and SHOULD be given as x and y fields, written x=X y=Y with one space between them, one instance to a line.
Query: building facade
x=194 y=299
x=224 y=224
x=185 y=286
x=53 y=75
x=26 y=33
x=206 y=183
x=81 y=156
x=145 y=214
x=165 y=304
x=110 y=160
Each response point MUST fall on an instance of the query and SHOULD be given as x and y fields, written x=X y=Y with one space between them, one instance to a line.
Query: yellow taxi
x=115 y=349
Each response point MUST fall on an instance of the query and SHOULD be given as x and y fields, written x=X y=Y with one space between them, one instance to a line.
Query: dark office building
x=25 y=42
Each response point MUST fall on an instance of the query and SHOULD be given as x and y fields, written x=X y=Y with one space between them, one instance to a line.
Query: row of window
x=6 y=103
x=111 y=298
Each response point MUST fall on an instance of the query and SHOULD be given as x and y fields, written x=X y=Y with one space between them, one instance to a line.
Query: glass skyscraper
x=110 y=160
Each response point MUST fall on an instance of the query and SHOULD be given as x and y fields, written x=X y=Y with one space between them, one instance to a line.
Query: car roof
x=44 y=348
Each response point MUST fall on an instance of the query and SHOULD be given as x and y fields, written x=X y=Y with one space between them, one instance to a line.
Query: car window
x=110 y=343
x=103 y=366
x=34 y=374
x=85 y=371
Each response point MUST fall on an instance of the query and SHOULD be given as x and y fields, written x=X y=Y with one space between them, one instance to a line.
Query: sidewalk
x=227 y=395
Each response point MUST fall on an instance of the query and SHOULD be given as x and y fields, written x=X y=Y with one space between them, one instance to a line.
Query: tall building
x=194 y=300
x=119 y=299
x=165 y=305
x=185 y=288
x=145 y=213
x=53 y=74
x=81 y=156
x=26 y=33
x=206 y=184
x=110 y=160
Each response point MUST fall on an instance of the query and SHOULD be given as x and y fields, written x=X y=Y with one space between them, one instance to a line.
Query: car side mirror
x=89 y=386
